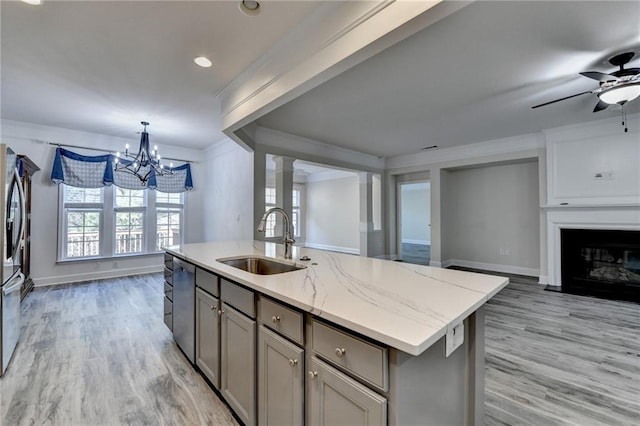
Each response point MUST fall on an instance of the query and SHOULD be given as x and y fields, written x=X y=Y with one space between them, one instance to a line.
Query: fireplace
x=603 y=263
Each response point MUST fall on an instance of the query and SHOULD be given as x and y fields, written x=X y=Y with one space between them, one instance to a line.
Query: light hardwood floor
x=560 y=359
x=99 y=354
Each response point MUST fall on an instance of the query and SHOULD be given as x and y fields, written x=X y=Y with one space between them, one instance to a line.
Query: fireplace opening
x=603 y=263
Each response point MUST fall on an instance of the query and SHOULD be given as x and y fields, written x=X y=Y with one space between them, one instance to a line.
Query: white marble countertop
x=408 y=307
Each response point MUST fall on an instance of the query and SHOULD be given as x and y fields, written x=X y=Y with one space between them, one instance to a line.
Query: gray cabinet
x=334 y=399
x=238 y=361
x=280 y=380
x=208 y=336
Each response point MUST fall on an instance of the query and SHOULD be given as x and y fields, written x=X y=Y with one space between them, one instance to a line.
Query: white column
x=366 y=213
x=284 y=188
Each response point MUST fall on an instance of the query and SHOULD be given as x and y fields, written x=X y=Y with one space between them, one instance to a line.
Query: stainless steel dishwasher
x=184 y=296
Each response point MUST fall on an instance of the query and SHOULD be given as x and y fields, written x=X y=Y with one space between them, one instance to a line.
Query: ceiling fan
x=618 y=87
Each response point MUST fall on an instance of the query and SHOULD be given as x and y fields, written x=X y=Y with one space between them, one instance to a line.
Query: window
x=113 y=221
x=296 y=207
x=82 y=221
x=269 y=202
x=169 y=219
x=129 y=212
x=295 y=211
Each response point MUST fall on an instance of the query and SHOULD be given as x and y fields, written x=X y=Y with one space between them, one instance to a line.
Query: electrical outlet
x=501 y=252
x=454 y=338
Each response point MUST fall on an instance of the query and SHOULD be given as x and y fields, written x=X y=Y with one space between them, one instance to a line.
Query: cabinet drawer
x=168 y=313
x=168 y=275
x=168 y=261
x=207 y=281
x=238 y=297
x=365 y=360
x=282 y=319
x=168 y=291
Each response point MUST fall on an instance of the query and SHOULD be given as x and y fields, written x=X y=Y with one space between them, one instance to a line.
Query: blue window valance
x=96 y=171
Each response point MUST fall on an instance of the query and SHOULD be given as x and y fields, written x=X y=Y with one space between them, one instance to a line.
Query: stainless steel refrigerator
x=12 y=215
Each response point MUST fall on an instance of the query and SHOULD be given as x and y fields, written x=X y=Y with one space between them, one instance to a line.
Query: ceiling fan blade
x=561 y=99
x=600 y=76
x=600 y=106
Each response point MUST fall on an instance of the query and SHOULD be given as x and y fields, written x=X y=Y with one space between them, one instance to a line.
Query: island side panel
x=429 y=389
x=474 y=336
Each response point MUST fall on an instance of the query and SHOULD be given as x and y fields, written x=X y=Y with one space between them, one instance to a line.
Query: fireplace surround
x=604 y=263
x=572 y=217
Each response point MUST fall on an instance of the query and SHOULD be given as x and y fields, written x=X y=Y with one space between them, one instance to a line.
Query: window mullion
x=108 y=226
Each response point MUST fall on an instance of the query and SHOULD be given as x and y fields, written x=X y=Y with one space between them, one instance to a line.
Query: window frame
x=141 y=209
x=107 y=210
x=169 y=207
x=63 y=222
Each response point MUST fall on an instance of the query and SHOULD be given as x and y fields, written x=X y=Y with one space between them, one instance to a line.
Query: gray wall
x=333 y=214
x=491 y=216
x=228 y=198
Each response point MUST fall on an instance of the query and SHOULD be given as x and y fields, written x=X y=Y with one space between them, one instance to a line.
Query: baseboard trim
x=544 y=279
x=507 y=269
x=418 y=242
x=328 y=247
x=92 y=276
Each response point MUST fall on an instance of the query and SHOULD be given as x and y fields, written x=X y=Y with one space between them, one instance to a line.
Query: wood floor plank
x=99 y=354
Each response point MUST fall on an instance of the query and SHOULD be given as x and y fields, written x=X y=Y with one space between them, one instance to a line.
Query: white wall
x=26 y=139
x=594 y=164
x=416 y=214
x=333 y=214
x=228 y=193
x=492 y=217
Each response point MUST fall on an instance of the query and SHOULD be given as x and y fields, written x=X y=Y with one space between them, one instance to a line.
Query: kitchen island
x=369 y=341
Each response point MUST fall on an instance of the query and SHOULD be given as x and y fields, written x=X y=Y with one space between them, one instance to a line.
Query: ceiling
x=104 y=66
x=471 y=77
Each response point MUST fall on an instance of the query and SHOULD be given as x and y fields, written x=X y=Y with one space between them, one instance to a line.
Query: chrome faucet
x=288 y=234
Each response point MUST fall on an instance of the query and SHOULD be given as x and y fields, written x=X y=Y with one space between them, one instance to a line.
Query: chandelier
x=145 y=162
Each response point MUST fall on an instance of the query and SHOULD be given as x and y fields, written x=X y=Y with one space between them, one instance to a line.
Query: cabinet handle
x=168 y=291
x=275 y=319
x=313 y=374
x=220 y=312
x=293 y=362
x=213 y=307
x=166 y=314
x=340 y=352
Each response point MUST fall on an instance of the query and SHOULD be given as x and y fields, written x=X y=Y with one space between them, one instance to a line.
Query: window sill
x=108 y=258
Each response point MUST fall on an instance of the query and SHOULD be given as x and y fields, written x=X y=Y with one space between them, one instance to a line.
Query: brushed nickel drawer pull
x=275 y=319
x=313 y=374
x=293 y=362
x=213 y=307
x=340 y=352
x=166 y=314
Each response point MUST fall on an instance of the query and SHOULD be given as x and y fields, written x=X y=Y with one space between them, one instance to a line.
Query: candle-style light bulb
x=171 y=165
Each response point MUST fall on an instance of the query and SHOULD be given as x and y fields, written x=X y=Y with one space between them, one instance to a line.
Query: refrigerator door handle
x=10 y=288
x=23 y=209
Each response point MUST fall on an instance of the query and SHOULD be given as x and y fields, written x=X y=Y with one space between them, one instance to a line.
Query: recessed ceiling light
x=203 y=62
x=33 y=2
x=249 y=7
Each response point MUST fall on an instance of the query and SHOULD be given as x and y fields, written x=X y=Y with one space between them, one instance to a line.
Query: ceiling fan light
x=620 y=94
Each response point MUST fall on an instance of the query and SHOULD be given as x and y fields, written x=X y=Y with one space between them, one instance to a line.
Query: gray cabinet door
x=280 y=380
x=237 y=371
x=208 y=336
x=335 y=399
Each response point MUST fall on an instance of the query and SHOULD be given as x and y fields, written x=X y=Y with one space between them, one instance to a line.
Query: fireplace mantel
x=614 y=217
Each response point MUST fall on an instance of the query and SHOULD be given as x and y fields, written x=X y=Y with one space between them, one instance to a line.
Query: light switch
x=454 y=338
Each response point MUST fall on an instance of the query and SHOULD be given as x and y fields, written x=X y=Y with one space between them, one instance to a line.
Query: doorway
x=414 y=222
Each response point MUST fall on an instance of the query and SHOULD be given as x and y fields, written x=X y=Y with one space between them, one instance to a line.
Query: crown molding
x=525 y=144
x=316 y=151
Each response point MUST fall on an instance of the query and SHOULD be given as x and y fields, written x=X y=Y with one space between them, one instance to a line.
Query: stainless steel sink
x=260 y=266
